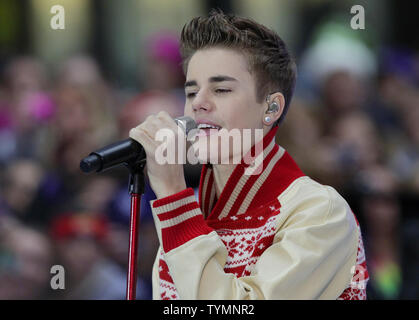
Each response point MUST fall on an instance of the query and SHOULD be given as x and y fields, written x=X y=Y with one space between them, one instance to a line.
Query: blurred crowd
x=357 y=134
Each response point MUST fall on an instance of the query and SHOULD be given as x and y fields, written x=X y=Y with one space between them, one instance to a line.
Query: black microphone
x=125 y=151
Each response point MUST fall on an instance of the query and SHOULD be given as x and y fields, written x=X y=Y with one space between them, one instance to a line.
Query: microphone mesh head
x=186 y=123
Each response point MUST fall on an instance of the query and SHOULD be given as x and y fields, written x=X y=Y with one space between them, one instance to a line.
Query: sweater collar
x=244 y=182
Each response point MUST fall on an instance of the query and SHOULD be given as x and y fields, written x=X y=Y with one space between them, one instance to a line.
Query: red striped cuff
x=180 y=218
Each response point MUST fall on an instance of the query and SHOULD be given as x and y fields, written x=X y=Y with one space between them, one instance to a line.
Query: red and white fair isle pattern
x=358 y=288
x=167 y=288
x=244 y=247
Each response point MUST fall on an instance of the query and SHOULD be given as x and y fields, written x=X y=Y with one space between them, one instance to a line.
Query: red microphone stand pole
x=136 y=189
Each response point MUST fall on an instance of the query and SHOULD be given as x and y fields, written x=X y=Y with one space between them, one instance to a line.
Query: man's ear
x=274 y=109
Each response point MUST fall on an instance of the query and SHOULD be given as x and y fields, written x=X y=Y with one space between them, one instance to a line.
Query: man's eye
x=190 y=94
x=222 y=90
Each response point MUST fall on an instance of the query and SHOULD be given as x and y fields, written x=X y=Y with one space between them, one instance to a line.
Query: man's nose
x=201 y=102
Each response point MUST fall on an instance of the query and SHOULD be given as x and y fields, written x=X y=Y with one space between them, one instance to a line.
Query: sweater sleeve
x=311 y=257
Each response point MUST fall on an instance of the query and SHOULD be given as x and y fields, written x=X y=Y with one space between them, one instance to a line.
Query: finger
x=155 y=122
x=167 y=120
x=151 y=125
x=142 y=136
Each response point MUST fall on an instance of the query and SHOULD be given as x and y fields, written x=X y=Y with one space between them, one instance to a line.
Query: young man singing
x=260 y=230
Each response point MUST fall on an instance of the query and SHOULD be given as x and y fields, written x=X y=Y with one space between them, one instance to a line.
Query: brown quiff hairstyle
x=268 y=57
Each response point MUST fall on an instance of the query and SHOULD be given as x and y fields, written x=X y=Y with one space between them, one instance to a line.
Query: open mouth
x=206 y=129
x=208 y=126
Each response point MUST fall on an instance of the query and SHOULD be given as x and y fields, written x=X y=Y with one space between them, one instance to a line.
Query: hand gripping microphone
x=125 y=151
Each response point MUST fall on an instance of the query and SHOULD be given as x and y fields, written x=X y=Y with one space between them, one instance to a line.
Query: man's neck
x=221 y=174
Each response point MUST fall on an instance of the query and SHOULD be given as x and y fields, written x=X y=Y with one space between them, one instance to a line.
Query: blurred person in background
x=162 y=83
x=83 y=71
x=385 y=185
x=355 y=146
x=145 y=104
x=89 y=273
x=398 y=97
x=300 y=142
x=19 y=186
x=164 y=65
x=339 y=148
x=95 y=194
x=83 y=121
x=354 y=156
x=343 y=93
x=394 y=110
x=26 y=106
x=382 y=212
x=404 y=157
x=25 y=261
x=84 y=113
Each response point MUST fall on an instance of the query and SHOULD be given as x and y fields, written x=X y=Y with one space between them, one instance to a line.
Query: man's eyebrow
x=212 y=79
x=221 y=78
x=190 y=83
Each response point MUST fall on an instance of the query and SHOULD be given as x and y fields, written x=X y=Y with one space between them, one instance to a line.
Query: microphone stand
x=136 y=189
x=121 y=153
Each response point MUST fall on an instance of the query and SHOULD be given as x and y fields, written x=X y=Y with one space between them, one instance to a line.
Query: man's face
x=221 y=91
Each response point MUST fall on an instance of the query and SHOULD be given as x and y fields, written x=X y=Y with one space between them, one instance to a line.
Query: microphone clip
x=136 y=176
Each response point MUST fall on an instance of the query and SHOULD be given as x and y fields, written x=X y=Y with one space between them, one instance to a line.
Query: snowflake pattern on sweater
x=244 y=247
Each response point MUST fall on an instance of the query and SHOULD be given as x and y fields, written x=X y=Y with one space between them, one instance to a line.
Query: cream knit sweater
x=277 y=234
